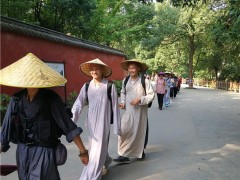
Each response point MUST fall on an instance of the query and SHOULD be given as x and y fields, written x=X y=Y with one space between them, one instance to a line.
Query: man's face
x=96 y=71
x=133 y=69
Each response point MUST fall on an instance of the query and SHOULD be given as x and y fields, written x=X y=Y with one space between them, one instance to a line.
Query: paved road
x=196 y=138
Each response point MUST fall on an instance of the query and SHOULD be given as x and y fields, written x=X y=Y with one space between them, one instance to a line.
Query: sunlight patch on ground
x=227 y=150
x=215 y=159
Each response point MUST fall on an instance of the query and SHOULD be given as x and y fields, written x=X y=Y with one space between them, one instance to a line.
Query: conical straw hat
x=143 y=66
x=85 y=67
x=30 y=72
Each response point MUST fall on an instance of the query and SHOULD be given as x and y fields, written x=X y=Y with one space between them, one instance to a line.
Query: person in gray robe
x=36 y=119
x=166 y=98
x=98 y=118
x=135 y=100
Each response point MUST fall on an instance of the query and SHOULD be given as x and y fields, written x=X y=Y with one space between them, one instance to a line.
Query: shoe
x=143 y=156
x=108 y=162
x=104 y=170
x=106 y=165
x=122 y=159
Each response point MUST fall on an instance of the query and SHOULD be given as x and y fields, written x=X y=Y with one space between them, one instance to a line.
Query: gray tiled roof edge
x=9 y=24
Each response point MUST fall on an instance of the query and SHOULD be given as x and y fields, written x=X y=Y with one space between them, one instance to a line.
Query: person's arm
x=149 y=94
x=83 y=153
x=7 y=128
x=69 y=128
x=79 y=103
x=123 y=96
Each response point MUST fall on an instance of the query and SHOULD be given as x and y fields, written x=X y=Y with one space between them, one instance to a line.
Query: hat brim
x=125 y=64
x=85 y=68
x=30 y=72
x=167 y=72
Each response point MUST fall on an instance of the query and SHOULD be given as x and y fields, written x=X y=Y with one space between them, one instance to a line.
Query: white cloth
x=166 y=98
x=98 y=124
x=134 y=119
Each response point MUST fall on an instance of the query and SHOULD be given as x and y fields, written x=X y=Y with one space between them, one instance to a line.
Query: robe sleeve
x=116 y=112
x=78 y=105
x=7 y=128
x=64 y=121
x=149 y=93
x=123 y=93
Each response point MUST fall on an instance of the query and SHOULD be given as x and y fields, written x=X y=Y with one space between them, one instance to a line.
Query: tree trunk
x=191 y=53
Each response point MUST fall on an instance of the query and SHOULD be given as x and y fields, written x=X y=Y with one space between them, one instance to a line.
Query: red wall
x=15 y=46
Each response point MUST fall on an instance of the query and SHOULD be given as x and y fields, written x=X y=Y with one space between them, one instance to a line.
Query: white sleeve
x=78 y=105
x=149 y=93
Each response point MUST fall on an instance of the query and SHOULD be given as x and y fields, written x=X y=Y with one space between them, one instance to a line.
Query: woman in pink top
x=160 y=89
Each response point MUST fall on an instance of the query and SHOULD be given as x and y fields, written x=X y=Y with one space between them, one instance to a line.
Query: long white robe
x=134 y=119
x=166 y=98
x=98 y=124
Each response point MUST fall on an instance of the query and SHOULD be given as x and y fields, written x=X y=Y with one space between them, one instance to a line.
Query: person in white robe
x=134 y=120
x=166 y=98
x=98 y=117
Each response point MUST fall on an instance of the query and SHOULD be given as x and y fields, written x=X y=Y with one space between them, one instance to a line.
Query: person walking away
x=171 y=86
x=99 y=116
x=160 y=89
x=179 y=83
x=36 y=119
x=135 y=101
x=175 y=86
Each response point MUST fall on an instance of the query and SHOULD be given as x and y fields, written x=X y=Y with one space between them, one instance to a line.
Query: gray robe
x=35 y=162
x=98 y=124
x=134 y=119
x=166 y=98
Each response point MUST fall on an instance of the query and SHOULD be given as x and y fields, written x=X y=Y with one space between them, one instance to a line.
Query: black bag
x=60 y=154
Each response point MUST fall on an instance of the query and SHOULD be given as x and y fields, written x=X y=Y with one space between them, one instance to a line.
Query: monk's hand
x=122 y=106
x=136 y=101
x=84 y=157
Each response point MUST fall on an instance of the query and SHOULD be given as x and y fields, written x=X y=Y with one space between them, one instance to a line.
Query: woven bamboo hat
x=85 y=67
x=143 y=66
x=30 y=72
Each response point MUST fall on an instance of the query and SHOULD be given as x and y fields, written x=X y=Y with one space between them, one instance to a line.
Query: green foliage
x=71 y=98
x=4 y=101
x=118 y=85
x=156 y=33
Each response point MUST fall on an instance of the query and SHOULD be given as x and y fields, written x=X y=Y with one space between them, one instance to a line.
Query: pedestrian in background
x=36 y=119
x=134 y=99
x=160 y=89
x=175 y=86
x=168 y=83
x=179 y=83
x=99 y=116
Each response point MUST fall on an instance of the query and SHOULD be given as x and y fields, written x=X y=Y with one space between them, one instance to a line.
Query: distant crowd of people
x=167 y=86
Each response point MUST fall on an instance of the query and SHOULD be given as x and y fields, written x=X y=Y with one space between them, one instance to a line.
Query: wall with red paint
x=14 y=46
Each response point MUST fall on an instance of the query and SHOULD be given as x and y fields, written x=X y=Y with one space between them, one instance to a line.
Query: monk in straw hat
x=101 y=97
x=36 y=119
x=135 y=99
